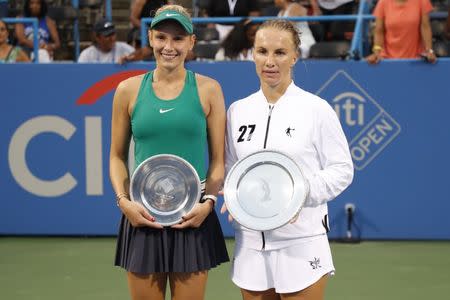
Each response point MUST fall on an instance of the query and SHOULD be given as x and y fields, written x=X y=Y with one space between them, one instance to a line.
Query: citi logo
x=349 y=107
x=367 y=126
x=89 y=141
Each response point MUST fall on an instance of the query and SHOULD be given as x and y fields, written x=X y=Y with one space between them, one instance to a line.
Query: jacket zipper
x=268 y=124
x=265 y=144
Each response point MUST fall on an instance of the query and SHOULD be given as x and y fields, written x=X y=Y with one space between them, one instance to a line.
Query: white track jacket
x=305 y=127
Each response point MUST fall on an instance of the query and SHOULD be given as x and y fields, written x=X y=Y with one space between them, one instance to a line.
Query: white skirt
x=287 y=270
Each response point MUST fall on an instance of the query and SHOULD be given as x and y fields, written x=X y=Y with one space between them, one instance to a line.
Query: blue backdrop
x=55 y=136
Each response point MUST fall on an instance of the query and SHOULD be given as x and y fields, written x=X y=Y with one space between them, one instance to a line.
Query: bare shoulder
x=207 y=84
x=128 y=89
x=297 y=10
x=130 y=84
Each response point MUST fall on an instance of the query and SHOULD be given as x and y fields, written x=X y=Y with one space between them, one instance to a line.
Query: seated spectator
x=288 y=8
x=9 y=53
x=230 y=8
x=335 y=30
x=402 y=30
x=48 y=34
x=142 y=9
x=105 y=48
x=238 y=44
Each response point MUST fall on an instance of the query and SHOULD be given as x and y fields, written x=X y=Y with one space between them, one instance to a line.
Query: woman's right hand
x=137 y=215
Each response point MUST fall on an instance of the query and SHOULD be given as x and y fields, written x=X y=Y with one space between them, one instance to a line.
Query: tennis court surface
x=81 y=269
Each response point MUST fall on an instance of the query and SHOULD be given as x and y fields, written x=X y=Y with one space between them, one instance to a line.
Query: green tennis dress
x=177 y=126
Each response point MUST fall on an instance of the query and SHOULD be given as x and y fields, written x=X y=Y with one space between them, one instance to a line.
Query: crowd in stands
x=401 y=29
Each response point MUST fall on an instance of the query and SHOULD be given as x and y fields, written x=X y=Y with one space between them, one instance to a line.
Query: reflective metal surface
x=265 y=190
x=167 y=185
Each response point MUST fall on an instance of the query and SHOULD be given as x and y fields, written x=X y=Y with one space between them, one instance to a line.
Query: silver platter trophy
x=265 y=190
x=167 y=185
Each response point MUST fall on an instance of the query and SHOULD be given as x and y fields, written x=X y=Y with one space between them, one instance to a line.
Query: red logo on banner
x=104 y=86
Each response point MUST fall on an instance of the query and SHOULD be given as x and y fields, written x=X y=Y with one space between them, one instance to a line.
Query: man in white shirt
x=105 y=48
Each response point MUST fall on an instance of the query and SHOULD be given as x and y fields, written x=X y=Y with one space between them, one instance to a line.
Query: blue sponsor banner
x=55 y=137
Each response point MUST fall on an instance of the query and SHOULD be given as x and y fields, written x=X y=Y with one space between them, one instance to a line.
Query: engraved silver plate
x=265 y=190
x=167 y=186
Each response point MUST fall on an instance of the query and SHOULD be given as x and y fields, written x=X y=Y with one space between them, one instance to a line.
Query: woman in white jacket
x=292 y=261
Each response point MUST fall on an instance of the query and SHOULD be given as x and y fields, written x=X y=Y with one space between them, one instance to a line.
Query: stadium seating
x=336 y=49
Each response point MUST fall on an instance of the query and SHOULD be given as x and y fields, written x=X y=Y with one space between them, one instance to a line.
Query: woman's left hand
x=430 y=57
x=196 y=216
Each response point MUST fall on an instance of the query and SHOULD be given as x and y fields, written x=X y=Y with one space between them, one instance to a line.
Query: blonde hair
x=174 y=7
x=284 y=25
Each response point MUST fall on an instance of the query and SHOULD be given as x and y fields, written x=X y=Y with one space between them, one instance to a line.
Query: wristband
x=211 y=197
x=377 y=48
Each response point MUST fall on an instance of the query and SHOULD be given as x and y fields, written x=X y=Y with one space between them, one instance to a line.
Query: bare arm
x=297 y=11
x=138 y=55
x=425 y=31
x=54 y=35
x=315 y=7
x=120 y=140
x=379 y=33
x=135 y=14
x=21 y=38
x=216 y=139
x=378 y=42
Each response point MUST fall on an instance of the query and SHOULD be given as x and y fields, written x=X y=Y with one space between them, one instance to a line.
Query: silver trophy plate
x=167 y=186
x=265 y=190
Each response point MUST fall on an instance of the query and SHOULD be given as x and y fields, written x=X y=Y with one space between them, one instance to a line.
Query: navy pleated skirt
x=145 y=250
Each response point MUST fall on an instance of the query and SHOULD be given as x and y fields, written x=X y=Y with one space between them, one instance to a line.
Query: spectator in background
x=335 y=30
x=288 y=8
x=105 y=48
x=402 y=30
x=230 y=8
x=3 y=8
x=9 y=53
x=48 y=34
x=238 y=44
x=142 y=9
